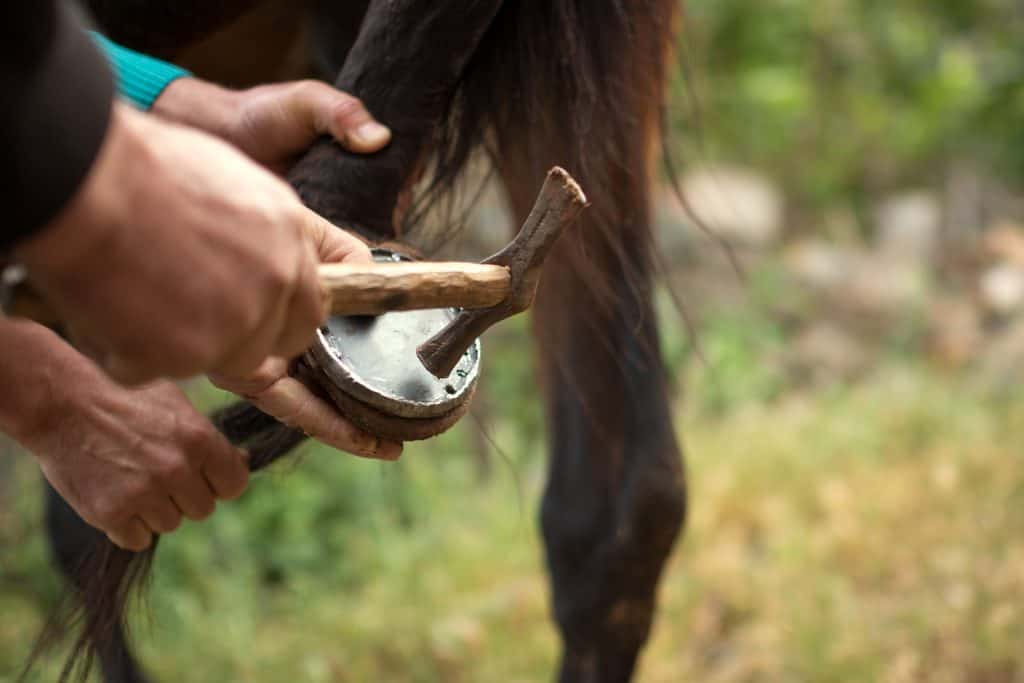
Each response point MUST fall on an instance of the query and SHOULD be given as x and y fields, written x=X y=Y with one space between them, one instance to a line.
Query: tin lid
x=373 y=359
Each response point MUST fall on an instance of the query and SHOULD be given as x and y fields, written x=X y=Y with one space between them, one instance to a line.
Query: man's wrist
x=31 y=362
x=199 y=104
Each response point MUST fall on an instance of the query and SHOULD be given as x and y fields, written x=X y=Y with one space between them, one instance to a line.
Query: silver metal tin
x=373 y=359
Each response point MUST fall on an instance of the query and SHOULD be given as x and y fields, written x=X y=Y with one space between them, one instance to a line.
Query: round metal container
x=373 y=359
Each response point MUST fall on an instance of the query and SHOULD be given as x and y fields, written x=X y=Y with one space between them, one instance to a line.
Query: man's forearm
x=31 y=367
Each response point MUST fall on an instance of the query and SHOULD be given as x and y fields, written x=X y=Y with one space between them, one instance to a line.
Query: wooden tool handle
x=373 y=288
x=361 y=289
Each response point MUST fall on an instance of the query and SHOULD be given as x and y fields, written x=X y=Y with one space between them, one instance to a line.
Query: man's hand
x=273 y=124
x=180 y=256
x=271 y=390
x=131 y=462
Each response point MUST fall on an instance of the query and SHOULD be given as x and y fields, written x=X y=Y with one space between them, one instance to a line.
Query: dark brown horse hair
x=576 y=83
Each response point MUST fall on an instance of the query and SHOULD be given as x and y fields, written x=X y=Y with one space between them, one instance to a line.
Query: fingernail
x=372 y=134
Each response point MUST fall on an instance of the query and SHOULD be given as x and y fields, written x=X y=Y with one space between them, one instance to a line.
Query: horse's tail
x=581 y=84
x=107 y=578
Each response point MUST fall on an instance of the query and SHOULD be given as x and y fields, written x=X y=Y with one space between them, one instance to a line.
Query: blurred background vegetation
x=854 y=420
x=841 y=99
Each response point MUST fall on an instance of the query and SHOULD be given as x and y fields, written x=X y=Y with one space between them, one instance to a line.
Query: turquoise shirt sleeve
x=140 y=78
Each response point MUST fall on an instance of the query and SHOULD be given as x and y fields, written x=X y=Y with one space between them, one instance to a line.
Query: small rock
x=834 y=495
x=945 y=476
x=909 y=226
x=456 y=637
x=1002 y=364
x=960 y=596
x=840 y=225
x=1002 y=289
x=1001 y=616
x=884 y=288
x=824 y=354
x=738 y=205
x=818 y=265
x=905 y=667
x=954 y=332
x=861 y=288
x=673 y=222
x=1004 y=242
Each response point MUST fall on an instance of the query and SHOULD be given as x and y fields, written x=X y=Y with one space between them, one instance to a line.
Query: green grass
x=868 y=534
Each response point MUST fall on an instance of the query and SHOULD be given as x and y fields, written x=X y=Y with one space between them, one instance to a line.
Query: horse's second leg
x=615 y=498
x=72 y=541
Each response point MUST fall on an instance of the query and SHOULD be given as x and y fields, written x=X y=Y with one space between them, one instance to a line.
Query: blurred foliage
x=836 y=99
x=732 y=359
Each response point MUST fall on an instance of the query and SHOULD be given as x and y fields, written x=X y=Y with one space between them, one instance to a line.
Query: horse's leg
x=405 y=66
x=72 y=541
x=615 y=499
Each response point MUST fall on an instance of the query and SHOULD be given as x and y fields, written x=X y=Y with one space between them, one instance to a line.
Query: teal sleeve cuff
x=140 y=78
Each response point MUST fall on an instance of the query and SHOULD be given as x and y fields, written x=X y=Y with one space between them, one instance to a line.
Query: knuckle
x=196 y=436
x=174 y=470
x=286 y=194
x=348 y=109
x=277 y=271
x=293 y=413
x=280 y=274
x=136 y=495
x=293 y=220
x=307 y=87
x=277 y=199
